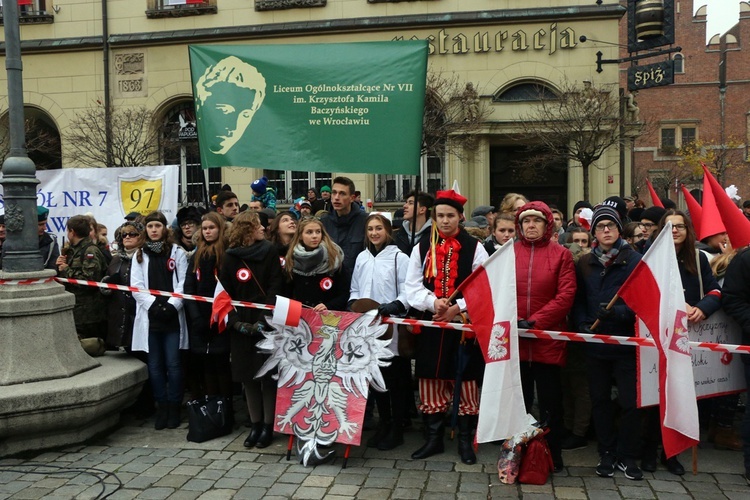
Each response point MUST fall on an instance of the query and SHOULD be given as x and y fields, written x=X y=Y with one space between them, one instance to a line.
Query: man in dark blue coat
x=600 y=275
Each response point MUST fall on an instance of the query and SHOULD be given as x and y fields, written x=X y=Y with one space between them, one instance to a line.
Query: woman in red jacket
x=545 y=287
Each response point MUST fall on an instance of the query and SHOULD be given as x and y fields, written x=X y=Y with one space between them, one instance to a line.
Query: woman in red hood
x=546 y=287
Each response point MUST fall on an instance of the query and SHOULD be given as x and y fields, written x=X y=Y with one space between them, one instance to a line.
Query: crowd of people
x=330 y=254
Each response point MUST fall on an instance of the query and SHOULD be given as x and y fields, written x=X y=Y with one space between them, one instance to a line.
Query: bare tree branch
x=134 y=137
x=42 y=143
x=577 y=127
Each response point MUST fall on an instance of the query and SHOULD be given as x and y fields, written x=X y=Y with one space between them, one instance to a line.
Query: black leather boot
x=252 y=438
x=465 y=442
x=380 y=433
x=266 y=436
x=162 y=414
x=435 y=429
x=393 y=438
x=173 y=415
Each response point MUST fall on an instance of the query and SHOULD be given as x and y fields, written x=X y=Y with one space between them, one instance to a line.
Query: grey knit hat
x=605 y=212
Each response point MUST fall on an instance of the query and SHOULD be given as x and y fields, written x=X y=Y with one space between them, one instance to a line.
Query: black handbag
x=208 y=418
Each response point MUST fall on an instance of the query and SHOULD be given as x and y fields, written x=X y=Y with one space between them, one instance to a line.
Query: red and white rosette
x=244 y=275
x=198 y=274
x=326 y=284
x=171 y=264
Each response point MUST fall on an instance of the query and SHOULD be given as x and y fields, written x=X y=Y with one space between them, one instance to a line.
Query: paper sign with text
x=107 y=193
x=341 y=107
x=714 y=373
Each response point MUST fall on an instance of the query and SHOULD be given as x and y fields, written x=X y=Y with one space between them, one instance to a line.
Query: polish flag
x=654 y=197
x=656 y=280
x=221 y=307
x=490 y=293
x=287 y=312
x=183 y=2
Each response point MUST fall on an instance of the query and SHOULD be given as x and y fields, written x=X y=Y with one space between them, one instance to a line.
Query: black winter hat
x=581 y=204
x=654 y=214
x=188 y=214
x=618 y=204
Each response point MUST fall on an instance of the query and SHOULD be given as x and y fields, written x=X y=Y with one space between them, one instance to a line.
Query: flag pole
x=609 y=306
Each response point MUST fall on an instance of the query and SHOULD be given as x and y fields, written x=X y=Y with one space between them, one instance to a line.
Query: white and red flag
x=654 y=292
x=221 y=307
x=490 y=293
x=287 y=312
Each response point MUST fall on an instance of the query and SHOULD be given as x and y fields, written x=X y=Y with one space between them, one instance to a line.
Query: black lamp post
x=21 y=247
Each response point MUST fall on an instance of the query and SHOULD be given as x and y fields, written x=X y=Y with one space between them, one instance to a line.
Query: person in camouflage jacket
x=83 y=260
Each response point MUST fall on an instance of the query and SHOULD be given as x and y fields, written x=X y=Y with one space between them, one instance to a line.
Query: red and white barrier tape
x=532 y=334
x=185 y=296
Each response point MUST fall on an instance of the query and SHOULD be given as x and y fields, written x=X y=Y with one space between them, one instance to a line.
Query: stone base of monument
x=51 y=392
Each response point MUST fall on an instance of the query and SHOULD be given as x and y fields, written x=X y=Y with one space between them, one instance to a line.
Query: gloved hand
x=526 y=324
x=603 y=313
x=244 y=328
x=587 y=329
x=391 y=309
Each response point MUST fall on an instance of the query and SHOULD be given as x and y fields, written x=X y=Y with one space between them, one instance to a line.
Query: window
x=292 y=184
x=393 y=187
x=31 y=12
x=525 y=92
x=179 y=8
x=668 y=140
x=179 y=146
x=679 y=63
x=674 y=137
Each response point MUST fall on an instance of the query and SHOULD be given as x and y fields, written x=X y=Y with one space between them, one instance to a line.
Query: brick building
x=709 y=103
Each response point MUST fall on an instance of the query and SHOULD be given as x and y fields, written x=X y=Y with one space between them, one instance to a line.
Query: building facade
x=509 y=50
x=708 y=105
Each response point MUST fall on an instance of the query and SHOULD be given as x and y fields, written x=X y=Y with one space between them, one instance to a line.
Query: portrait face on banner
x=228 y=95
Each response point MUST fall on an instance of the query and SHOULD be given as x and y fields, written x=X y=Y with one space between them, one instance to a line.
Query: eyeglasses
x=130 y=235
x=609 y=226
x=679 y=227
x=188 y=224
x=648 y=225
x=639 y=236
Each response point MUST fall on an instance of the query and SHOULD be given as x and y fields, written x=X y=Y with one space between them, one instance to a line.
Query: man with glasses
x=650 y=221
x=600 y=275
x=188 y=221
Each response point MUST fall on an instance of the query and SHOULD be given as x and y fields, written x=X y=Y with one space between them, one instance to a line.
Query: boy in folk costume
x=437 y=267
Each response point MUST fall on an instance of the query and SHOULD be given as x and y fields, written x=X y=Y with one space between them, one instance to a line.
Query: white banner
x=715 y=373
x=107 y=193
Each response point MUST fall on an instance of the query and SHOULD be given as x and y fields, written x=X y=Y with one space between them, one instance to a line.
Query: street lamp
x=21 y=247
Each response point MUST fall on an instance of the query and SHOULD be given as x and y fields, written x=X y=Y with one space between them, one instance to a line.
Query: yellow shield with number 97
x=141 y=194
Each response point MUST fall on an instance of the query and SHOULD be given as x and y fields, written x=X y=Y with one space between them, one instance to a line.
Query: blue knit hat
x=260 y=185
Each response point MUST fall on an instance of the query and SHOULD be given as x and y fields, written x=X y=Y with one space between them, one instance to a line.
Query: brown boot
x=727 y=439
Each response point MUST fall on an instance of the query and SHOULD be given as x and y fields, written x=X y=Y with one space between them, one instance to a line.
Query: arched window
x=42 y=139
x=679 y=63
x=179 y=146
x=525 y=91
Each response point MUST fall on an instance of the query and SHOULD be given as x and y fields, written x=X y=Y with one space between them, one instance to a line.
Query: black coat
x=735 y=295
x=348 y=232
x=204 y=339
x=331 y=289
x=596 y=287
x=120 y=305
x=709 y=304
x=263 y=282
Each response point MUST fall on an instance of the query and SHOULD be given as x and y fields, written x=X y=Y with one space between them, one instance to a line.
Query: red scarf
x=446 y=257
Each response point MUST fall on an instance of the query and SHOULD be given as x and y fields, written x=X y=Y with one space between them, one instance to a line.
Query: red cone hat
x=694 y=209
x=711 y=222
x=654 y=197
x=737 y=225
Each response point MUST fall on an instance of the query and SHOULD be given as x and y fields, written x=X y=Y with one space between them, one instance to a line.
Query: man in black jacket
x=346 y=224
x=735 y=299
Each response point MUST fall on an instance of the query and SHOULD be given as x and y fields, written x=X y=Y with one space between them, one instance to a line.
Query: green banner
x=346 y=107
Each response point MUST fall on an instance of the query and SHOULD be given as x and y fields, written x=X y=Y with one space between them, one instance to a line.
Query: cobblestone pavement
x=153 y=464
